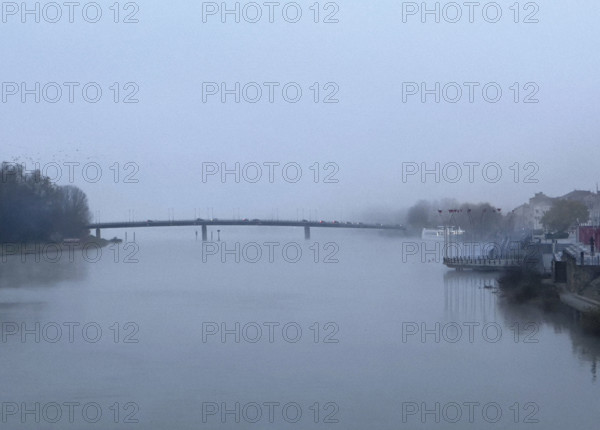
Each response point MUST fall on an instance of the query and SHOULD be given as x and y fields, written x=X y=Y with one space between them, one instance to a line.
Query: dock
x=482 y=263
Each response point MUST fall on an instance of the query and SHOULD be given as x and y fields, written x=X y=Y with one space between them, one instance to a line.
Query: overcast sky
x=366 y=136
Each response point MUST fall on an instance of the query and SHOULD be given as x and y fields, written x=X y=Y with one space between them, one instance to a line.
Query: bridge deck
x=175 y=223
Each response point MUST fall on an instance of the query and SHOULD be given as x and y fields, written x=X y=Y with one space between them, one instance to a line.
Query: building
x=522 y=217
x=539 y=205
x=577 y=267
x=529 y=215
x=586 y=232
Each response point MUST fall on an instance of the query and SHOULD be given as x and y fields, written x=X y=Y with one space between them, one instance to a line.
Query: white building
x=539 y=204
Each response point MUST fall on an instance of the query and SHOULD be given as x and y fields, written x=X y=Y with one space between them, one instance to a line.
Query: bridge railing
x=482 y=261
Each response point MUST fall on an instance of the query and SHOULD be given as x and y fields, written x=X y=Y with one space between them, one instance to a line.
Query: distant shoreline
x=34 y=248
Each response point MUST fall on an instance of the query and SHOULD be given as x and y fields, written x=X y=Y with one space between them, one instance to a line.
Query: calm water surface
x=337 y=342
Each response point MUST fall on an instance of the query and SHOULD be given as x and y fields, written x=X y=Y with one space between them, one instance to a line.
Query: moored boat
x=438 y=233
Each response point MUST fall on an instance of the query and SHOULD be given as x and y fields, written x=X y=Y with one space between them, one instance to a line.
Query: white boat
x=438 y=233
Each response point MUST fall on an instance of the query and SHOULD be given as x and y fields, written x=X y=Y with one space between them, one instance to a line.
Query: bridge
x=255 y=222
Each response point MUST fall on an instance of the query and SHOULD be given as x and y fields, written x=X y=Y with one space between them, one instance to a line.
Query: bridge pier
x=98 y=233
x=306 y=232
x=204 y=233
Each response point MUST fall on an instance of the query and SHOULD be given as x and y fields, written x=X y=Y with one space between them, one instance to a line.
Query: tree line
x=483 y=220
x=33 y=209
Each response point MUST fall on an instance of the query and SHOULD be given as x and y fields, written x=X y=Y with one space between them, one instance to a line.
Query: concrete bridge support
x=306 y=232
x=204 y=233
x=98 y=233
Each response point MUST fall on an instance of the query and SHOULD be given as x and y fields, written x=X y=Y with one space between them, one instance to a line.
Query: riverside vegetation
x=35 y=210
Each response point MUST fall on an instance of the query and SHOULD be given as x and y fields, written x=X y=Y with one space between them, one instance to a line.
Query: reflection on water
x=474 y=296
x=167 y=299
x=21 y=278
x=470 y=296
x=17 y=271
x=565 y=320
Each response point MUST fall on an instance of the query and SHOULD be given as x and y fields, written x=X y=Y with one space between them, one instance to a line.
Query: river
x=352 y=333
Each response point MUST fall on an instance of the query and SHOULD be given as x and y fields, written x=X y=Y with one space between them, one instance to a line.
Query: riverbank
x=531 y=288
